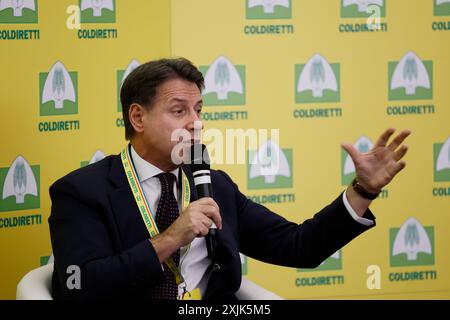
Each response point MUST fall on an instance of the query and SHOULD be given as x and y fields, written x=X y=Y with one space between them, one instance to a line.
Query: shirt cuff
x=352 y=212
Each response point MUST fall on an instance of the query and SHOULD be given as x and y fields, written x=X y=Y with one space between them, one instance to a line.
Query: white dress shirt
x=194 y=258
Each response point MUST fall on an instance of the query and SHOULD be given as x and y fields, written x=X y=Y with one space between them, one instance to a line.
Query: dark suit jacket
x=95 y=224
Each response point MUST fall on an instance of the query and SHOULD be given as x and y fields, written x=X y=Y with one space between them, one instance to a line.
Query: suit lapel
x=128 y=218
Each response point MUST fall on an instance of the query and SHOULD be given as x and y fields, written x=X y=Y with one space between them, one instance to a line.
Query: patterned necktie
x=166 y=214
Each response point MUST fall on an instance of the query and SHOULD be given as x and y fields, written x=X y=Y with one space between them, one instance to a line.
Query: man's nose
x=195 y=121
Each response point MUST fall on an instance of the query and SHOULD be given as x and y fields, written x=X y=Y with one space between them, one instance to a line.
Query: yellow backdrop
x=313 y=69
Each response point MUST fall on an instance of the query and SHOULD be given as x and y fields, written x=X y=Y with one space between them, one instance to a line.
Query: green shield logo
x=441 y=8
x=410 y=78
x=411 y=245
x=20 y=185
x=362 y=8
x=19 y=11
x=98 y=11
x=441 y=156
x=224 y=83
x=317 y=81
x=268 y=9
x=270 y=167
x=58 y=91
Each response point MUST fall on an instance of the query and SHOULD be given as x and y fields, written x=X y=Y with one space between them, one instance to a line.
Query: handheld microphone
x=200 y=164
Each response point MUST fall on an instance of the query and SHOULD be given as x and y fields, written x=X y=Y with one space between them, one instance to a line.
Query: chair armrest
x=36 y=284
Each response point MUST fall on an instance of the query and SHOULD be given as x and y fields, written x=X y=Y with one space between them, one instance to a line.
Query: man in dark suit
x=97 y=224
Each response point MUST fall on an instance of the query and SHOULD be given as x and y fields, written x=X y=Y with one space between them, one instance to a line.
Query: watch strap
x=359 y=189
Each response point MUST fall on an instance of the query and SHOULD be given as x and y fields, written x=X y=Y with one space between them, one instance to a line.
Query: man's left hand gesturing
x=376 y=168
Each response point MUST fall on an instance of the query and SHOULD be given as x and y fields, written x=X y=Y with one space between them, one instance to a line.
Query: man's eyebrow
x=183 y=100
x=175 y=99
x=178 y=99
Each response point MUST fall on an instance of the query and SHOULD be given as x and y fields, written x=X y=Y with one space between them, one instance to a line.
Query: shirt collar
x=145 y=170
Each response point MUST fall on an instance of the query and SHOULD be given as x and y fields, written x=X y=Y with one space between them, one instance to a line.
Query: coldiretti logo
x=442 y=7
x=441 y=155
x=58 y=91
x=363 y=144
x=224 y=83
x=98 y=155
x=121 y=76
x=98 y=11
x=361 y=8
x=269 y=167
x=412 y=244
x=18 y=11
x=410 y=78
x=19 y=186
x=268 y=9
x=317 y=81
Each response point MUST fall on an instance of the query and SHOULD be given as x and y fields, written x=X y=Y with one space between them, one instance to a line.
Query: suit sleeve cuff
x=352 y=212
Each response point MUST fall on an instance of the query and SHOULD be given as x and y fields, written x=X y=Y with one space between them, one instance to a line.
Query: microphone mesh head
x=199 y=157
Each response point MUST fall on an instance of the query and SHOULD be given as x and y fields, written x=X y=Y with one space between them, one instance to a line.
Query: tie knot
x=167 y=180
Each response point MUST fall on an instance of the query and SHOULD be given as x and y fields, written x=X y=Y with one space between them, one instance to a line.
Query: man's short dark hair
x=141 y=84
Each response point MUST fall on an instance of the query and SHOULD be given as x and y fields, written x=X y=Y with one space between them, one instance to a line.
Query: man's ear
x=136 y=114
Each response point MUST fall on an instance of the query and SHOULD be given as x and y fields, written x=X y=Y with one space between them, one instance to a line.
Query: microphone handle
x=205 y=190
x=211 y=243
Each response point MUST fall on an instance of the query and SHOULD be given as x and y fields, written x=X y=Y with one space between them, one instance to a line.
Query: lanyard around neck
x=144 y=208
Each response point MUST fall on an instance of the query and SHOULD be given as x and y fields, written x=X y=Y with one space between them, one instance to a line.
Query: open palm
x=377 y=167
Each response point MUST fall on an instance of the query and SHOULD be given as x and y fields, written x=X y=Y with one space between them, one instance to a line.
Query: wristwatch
x=363 y=192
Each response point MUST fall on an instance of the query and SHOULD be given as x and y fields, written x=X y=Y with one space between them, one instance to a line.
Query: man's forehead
x=179 y=90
